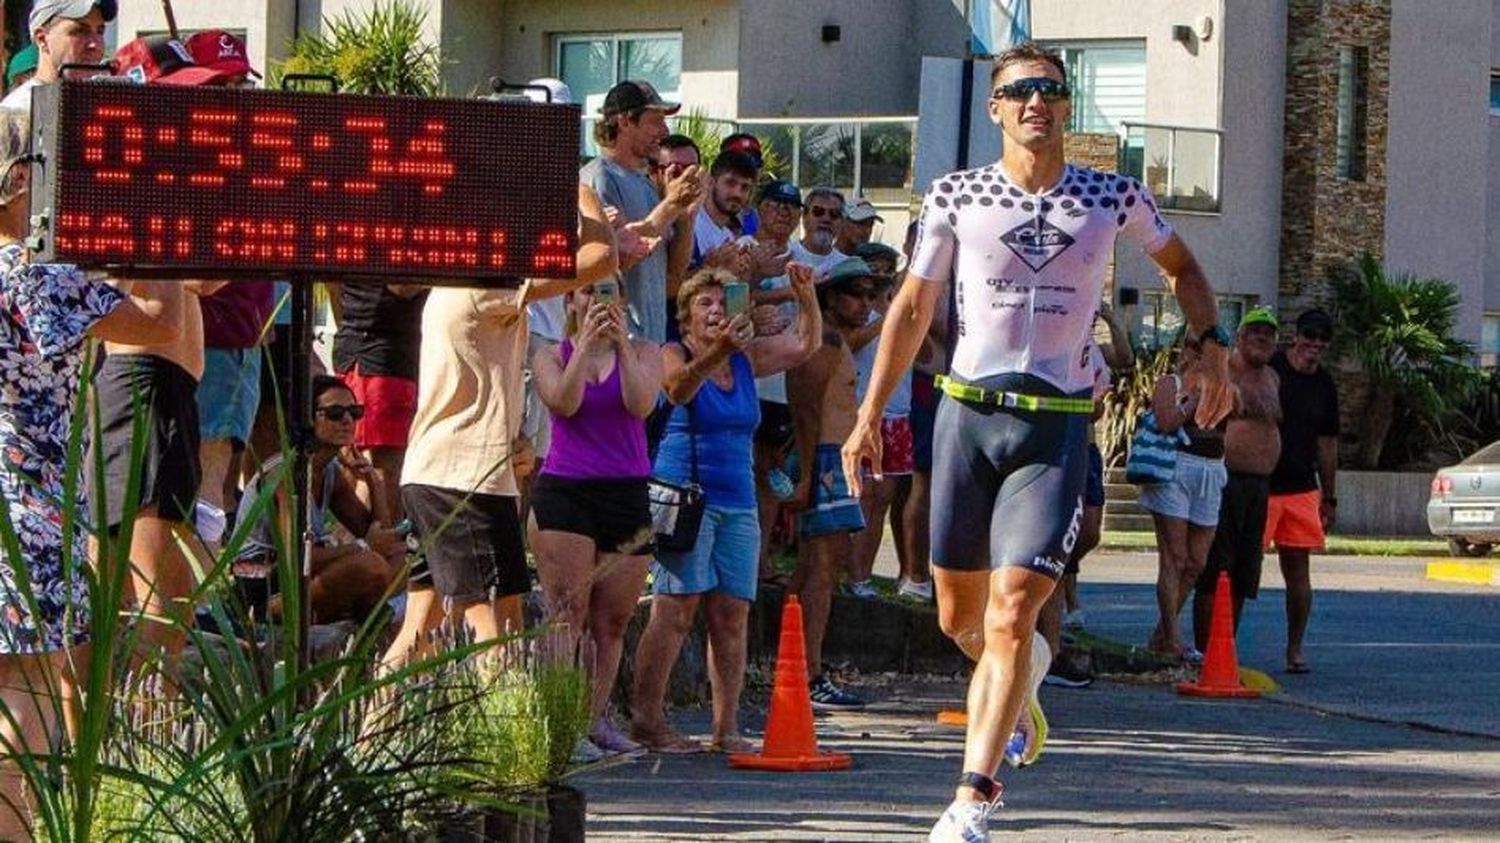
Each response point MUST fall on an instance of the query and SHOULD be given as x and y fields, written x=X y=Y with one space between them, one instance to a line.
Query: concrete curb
x=1463 y=573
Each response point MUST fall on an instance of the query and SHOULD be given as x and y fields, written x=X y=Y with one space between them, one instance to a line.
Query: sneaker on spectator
x=586 y=753
x=965 y=821
x=920 y=592
x=864 y=590
x=827 y=696
x=1074 y=619
x=607 y=736
x=1064 y=675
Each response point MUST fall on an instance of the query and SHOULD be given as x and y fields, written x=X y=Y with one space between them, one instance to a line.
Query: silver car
x=1464 y=506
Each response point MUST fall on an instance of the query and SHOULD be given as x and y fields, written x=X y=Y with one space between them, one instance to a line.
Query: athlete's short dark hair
x=1026 y=51
x=671 y=142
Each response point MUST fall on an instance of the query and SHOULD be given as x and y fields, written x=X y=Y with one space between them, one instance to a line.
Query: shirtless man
x=1252 y=444
x=162 y=382
x=1027 y=242
x=820 y=393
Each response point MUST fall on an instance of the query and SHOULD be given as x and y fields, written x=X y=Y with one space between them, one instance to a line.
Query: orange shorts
x=1294 y=521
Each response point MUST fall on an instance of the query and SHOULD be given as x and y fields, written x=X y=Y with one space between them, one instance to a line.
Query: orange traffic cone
x=953 y=717
x=790 y=744
x=1220 y=676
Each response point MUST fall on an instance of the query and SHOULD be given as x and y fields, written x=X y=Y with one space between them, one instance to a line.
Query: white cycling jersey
x=1029 y=268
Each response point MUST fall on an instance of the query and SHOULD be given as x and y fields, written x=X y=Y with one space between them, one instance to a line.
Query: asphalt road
x=1136 y=762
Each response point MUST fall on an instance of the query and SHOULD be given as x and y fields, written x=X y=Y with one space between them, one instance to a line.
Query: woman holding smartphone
x=710 y=378
x=591 y=517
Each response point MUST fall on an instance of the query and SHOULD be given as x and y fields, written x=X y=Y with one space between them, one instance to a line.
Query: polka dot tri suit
x=1008 y=481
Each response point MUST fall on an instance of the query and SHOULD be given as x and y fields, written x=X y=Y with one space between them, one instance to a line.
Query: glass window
x=885 y=161
x=592 y=64
x=1489 y=342
x=826 y=156
x=1180 y=166
x=1354 y=65
x=1495 y=92
x=1109 y=83
x=1159 y=318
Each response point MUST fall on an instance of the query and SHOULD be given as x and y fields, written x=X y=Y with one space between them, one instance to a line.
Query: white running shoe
x=918 y=591
x=965 y=821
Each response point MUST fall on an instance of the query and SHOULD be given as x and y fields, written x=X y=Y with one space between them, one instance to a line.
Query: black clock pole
x=300 y=426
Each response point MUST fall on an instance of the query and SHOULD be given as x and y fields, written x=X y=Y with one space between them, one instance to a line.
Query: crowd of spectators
x=720 y=331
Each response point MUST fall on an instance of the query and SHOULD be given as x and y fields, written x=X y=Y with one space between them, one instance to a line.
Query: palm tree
x=380 y=51
x=1399 y=329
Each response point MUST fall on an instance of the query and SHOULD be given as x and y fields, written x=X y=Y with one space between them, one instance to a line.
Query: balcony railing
x=1181 y=166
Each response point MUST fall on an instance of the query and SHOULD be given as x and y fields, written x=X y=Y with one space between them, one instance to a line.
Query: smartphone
x=607 y=292
x=736 y=298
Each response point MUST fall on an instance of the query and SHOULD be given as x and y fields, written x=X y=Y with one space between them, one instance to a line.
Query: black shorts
x=616 y=514
x=1237 y=544
x=169 y=473
x=1007 y=484
x=472 y=542
x=775 y=429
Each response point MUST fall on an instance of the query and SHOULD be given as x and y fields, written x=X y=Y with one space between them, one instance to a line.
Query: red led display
x=330 y=184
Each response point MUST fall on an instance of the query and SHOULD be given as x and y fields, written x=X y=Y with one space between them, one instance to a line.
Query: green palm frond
x=384 y=49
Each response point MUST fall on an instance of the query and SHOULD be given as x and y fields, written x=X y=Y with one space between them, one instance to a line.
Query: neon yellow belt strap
x=1034 y=403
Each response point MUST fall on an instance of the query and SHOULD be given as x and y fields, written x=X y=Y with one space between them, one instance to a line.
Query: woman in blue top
x=710 y=377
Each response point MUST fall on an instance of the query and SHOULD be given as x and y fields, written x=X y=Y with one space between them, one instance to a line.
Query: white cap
x=561 y=93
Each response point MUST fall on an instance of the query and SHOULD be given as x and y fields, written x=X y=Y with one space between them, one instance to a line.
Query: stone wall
x=1328 y=220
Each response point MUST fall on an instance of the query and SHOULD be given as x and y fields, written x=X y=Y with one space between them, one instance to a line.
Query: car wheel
x=1464 y=547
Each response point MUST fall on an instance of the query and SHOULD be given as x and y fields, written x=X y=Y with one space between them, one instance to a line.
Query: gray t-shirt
x=632 y=192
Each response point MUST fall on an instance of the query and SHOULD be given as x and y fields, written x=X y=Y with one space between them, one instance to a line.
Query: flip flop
x=667 y=743
x=731 y=744
x=1298 y=666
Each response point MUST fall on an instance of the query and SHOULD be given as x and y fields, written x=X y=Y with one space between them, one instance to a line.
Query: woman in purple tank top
x=591 y=518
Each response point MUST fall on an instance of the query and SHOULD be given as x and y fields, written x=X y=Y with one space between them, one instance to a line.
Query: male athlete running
x=1028 y=241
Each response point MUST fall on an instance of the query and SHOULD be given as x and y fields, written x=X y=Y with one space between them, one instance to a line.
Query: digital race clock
x=241 y=182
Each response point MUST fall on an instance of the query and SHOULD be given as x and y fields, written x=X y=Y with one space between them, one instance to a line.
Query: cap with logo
x=862 y=211
x=1259 y=316
x=164 y=60
x=780 y=191
x=222 y=51
x=634 y=95
x=43 y=11
x=22 y=63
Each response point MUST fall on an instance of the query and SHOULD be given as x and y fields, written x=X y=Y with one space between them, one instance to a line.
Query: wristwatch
x=1217 y=334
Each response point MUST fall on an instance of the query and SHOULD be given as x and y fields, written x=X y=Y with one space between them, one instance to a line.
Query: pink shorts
x=896 y=447
x=390 y=404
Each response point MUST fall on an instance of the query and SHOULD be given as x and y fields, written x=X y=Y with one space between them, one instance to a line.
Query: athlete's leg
x=1002 y=676
x=961 y=600
x=1295 y=570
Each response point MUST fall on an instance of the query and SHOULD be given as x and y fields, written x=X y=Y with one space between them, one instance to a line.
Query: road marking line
x=1466 y=573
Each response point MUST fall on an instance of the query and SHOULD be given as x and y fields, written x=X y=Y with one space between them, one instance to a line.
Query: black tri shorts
x=1007 y=484
x=165 y=396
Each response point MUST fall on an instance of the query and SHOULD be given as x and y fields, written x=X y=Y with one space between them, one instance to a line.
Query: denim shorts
x=1193 y=494
x=229 y=393
x=725 y=559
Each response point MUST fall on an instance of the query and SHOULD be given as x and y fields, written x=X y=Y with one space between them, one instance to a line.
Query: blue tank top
x=723 y=424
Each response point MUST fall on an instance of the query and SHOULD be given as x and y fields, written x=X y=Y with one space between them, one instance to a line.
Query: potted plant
x=529 y=716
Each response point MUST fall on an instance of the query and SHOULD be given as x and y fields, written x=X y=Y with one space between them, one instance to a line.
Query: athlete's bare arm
x=905 y=327
x=1195 y=296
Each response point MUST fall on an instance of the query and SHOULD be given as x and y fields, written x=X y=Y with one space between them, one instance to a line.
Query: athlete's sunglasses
x=1022 y=89
x=336 y=412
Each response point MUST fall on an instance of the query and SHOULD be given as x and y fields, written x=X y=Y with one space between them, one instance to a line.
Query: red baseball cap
x=163 y=59
x=222 y=51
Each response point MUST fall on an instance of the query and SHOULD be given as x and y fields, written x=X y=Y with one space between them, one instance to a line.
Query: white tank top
x=1029 y=268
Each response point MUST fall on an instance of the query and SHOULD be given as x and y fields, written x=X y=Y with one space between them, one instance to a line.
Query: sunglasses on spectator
x=337 y=412
x=1316 y=336
x=821 y=211
x=1022 y=89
